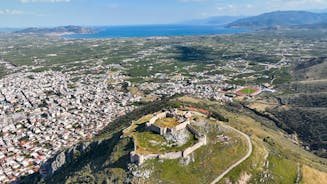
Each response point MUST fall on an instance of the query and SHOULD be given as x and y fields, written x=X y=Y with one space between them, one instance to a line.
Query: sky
x=46 y=13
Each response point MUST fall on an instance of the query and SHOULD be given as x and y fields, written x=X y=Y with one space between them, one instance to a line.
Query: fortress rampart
x=163 y=130
x=141 y=158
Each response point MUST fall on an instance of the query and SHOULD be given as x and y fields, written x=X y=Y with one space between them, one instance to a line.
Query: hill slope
x=280 y=18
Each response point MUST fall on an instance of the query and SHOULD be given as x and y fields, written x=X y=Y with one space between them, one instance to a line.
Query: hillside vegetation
x=304 y=107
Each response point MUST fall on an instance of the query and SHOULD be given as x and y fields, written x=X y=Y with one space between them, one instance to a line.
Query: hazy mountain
x=7 y=29
x=57 y=30
x=216 y=20
x=279 y=18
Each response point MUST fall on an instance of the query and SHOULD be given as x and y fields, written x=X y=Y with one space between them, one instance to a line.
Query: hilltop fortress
x=183 y=123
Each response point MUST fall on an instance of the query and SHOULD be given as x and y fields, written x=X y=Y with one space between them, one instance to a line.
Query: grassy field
x=248 y=91
x=263 y=103
x=148 y=142
x=310 y=175
x=283 y=170
x=166 y=122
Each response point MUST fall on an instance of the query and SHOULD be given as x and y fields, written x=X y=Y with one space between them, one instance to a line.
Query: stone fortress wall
x=202 y=141
x=163 y=130
x=151 y=126
x=139 y=159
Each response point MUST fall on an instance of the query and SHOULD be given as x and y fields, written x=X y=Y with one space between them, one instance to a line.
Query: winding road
x=248 y=154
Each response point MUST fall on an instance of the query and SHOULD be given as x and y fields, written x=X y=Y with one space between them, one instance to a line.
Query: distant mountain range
x=273 y=20
x=57 y=30
x=280 y=18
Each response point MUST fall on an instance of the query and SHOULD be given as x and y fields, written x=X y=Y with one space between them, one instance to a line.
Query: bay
x=157 y=31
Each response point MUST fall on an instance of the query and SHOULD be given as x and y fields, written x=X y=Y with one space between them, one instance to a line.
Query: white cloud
x=44 y=1
x=11 y=12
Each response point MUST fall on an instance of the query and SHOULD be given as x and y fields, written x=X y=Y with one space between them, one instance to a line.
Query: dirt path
x=248 y=154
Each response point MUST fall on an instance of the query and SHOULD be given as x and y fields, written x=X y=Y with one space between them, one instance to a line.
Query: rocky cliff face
x=97 y=160
x=66 y=157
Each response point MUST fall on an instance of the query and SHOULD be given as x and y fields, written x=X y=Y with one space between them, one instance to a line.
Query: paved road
x=248 y=154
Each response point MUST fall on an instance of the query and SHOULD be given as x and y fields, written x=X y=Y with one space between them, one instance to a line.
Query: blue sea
x=157 y=30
